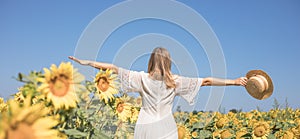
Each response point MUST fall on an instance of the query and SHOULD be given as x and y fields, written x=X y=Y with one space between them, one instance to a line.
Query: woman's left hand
x=242 y=81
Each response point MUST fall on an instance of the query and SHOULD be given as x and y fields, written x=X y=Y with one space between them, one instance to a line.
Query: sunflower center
x=23 y=131
x=59 y=86
x=120 y=107
x=103 y=84
x=259 y=131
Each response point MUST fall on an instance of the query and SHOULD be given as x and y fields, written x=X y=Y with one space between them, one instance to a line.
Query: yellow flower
x=19 y=97
x=193 y=119
x=107 y=85
x=176 y=114
x=183 y=132
x=273 y=113
x=123 y=108
x=248 y=115
x=195 y=134
x=236 y=121
x=278 y=134
x=200 y=113
x=296 y=131
x=27 y=122
x=59 y=85
x=260 y=130
x=297 y=112
x=3 y=105
x=297 y=121
x=231 y=114
x=134 y=115
x=217 y=133
x=225 y=134
x=218 y=115
x=138 y=101
x=240 y=133
x=288 y=135
x=221 y=122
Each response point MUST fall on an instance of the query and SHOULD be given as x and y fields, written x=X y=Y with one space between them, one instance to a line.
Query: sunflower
x=123 y=108
x=235 y=121
x=28 y=122
x=225 y=134
x=107 y=85
x=200 y=113
x=220 y=123
x=231 y=114
x=134 y=115
x=217 y=133
x=138 y=101
x=19 y=97
x=249 y=115
x=59 y=85
x=288 y=135
x=176 y=114
x=218 y=115
x=297 y=112
x=296 y=131
x=195 y=134
x=28 y=90
x=297 y=121
x=260 y=130
x=240 y=133
x=3 y=105
x=183 y=132
x=273 y=113
x=193 y=119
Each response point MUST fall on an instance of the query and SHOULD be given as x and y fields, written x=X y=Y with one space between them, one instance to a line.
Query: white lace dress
x=155 y=119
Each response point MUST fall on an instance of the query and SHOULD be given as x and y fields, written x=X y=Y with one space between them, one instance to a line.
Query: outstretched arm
x=209 y=81
x=95 y=64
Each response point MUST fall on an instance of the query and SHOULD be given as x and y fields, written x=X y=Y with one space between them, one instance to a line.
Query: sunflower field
x=59 y=103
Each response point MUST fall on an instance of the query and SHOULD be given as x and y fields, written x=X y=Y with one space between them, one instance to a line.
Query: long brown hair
x=160 y=64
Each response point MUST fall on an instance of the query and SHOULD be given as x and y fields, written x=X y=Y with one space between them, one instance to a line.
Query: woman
x=158 y=87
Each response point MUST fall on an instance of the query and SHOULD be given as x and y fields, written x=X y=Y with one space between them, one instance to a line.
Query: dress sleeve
x=188 y=88
x=130 y=81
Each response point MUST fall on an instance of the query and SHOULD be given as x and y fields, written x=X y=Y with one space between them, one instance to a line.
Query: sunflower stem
x=90 y=102
x=97 y=110
x=100 y=108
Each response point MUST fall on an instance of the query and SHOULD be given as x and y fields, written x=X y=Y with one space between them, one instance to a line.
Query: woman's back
x=155 y=118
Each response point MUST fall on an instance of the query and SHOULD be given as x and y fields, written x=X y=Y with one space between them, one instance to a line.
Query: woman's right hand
x=82 y=62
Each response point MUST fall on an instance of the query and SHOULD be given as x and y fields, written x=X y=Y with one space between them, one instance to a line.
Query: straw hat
x=259 y=84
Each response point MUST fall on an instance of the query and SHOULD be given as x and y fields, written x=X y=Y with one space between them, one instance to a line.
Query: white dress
x=155 y=120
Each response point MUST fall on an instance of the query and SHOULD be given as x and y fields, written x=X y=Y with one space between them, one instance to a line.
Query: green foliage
x=91 y=119
x=95 y=119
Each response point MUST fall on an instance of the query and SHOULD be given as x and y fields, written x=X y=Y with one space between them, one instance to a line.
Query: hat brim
x=259 y=95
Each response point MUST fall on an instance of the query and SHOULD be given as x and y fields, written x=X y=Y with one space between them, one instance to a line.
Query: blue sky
x=252 y=34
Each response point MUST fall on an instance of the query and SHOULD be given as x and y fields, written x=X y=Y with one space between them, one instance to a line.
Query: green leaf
x=271 y=136
x=130 y=129
x=199 y=125
x=75 y=133
x=20 y=77
x=99 y=135
x=247 y=135
x=205 y=134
